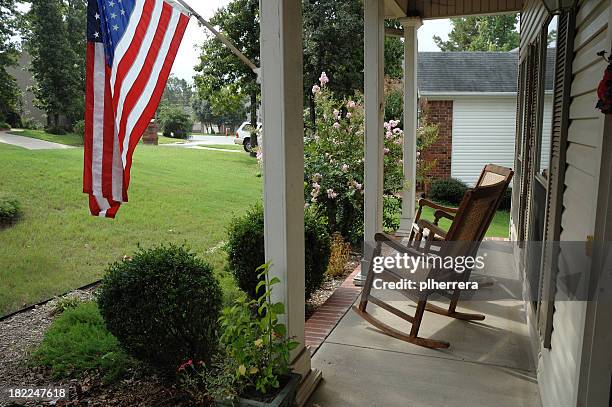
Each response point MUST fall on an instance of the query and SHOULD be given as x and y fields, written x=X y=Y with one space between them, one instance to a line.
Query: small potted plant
x=252 y=365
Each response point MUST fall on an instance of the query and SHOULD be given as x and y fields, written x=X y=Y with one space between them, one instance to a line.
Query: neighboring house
x=25 y=81
x=472 y=97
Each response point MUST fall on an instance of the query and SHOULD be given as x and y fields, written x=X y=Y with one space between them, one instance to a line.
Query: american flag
x=131 y=46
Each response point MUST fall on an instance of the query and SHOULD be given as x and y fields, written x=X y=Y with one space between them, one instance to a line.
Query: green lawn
x=176 y=195
x=499 y=227
x=70 y=139
x=170 y=140
x=225 y=146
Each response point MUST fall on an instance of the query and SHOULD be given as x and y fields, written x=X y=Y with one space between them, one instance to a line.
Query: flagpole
x=221 y=37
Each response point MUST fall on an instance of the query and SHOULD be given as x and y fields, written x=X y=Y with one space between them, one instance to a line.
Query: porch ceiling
x=433 y=9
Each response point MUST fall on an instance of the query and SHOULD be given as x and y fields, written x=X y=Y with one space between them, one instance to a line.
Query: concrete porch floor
x=488 y=363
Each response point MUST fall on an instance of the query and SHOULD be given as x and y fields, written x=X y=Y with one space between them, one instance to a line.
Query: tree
x=178 y=92
x=203 y=112
x=9 y=92
x=55 y=39
x=228 y=106
x=220 y=72
x=483 y=33
x=333 y=43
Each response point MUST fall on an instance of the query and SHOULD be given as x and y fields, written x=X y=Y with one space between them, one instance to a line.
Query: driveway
x=30 y=143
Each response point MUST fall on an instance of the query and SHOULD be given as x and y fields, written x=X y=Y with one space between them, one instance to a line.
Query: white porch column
x=411 y=26
x=283 y=143
x=374 y=78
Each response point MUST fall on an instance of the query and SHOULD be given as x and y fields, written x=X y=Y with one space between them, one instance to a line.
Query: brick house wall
x=440 y=112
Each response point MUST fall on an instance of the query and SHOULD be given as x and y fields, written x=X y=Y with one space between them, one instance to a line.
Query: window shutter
x=556 y=177
x=518 y=147
x=529 y=133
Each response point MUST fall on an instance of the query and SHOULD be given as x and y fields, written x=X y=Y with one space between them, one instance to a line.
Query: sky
x=188 y=53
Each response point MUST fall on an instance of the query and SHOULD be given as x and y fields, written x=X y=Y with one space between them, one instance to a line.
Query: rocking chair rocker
x=469 y=224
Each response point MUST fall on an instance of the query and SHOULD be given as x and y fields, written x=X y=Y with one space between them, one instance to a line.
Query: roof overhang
x=464 y=95
x=434 y=9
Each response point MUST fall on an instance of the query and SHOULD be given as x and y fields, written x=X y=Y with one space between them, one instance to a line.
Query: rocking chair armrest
x=427 y=202
x=439 y=214
x=436 y=230
x=390 y=241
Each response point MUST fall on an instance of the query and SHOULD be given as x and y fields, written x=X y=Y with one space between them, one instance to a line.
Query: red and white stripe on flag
x=131 y=46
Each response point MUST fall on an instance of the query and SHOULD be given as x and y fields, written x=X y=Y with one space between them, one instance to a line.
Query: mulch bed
x=21 y=333
x=330 y=285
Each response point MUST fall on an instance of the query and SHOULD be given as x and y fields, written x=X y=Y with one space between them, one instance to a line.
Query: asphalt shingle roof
x=472 y=71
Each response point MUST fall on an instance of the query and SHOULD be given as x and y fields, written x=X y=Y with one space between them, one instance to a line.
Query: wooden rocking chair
x=491 y=174
x=469 y=224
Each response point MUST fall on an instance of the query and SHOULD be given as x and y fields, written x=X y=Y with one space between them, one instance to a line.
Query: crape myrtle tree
x=482 y=33
x=55 y=37
x=9 y=92
x=220 y=72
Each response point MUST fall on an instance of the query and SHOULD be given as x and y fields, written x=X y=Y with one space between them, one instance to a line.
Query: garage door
x=483 y=132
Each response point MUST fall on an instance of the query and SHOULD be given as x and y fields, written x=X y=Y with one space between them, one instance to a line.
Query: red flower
x=184 y=365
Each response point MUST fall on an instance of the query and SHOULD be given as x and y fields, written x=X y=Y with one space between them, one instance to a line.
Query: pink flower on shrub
x=317 y=176
x=397 y=130
x=388 y=135
x=386 y=150
x=316 y=186
x=313 y=200
x=331 y=194
x=345 y=167
x=336 y=125
x=398 y=141
x=323 y=79
x=357 y=185
x=183 y=366
x=351 y=104
x=349 y=115
x=316 y=89
x=336 y=114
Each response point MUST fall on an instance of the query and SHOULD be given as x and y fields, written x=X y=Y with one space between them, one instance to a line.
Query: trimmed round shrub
x=245 y=249
x=10 y=210
x=163 y=305
x=448 y=191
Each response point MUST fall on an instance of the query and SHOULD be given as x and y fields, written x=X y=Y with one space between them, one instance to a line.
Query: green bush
x=4 y=125
x=56 y=130
x=448 y=191
x=79 y=128
x=31 y=124
x=506 y=201
x=10 y=210
x=174 y=122
x=163 y=306
x=78 y=342
x=245 y=248
x=392 y=212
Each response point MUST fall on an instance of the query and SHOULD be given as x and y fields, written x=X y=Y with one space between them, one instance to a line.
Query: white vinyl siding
x=484 y=133
x=560 y=367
